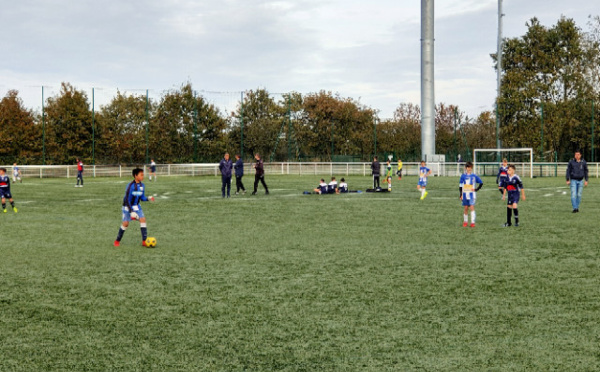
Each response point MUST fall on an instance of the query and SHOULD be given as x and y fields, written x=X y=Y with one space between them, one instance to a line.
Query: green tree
x=185 y=128
x=122 y=129
x=20 y=137
x=546 y=72
x=69 y=126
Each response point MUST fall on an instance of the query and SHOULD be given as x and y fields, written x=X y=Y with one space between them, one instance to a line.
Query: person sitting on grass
x=322 y=188
x=332 y=188
x=343 y=188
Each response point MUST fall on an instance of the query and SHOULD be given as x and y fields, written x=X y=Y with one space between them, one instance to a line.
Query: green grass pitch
x=369 y=282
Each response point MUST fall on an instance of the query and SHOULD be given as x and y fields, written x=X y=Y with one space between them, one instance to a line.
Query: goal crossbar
x=522 y=150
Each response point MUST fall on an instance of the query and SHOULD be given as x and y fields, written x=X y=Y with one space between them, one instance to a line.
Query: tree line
x=549 y=88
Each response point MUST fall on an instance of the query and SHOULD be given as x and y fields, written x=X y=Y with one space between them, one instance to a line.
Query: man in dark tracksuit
x=376 y=171
x=225 y=167
x=577 y=178
x=239 y=173
x=260 y=175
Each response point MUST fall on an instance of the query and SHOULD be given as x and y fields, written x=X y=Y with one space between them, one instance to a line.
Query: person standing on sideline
x=225 y=167
x=375 y=171
x=577 y=178
x=152 y=169
x=79 y=173
x=260 y=175
x=399 y=172
x=239 y=173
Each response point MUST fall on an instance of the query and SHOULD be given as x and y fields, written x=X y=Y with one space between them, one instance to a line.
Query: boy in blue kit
x=514 y=188
x=132 y=210
x=468 y=193
x=422 y=185
x=5 y=191
x=502 y=176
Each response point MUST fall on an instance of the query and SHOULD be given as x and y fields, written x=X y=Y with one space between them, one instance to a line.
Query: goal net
x=487 y=161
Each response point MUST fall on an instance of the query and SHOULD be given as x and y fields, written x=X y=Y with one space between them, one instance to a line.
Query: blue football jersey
x=467 y=183
x=134 y=194
x=323 y=187
x=343 y=187
x=423 y=171
x=333 y=185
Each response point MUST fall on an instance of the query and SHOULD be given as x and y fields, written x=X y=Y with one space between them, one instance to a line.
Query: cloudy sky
x=368 y=50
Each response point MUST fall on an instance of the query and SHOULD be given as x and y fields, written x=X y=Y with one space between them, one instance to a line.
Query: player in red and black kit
x=79 y=173
x=5 y=191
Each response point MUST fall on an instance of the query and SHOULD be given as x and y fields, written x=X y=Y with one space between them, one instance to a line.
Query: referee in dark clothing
x=260 y=175
x=375 y=171
x=225 y=166
x=577 y=178
x=239 y=173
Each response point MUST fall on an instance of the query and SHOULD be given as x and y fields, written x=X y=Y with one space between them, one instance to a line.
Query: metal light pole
x=147 y=126
x=427 y=79
x=43 y=129
x=499 y=76
x=242 y=124
x=93 y=130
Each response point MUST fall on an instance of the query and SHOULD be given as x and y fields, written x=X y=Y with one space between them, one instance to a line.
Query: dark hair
x=578 y=151
x=512 y=166
x=3 y=170
x=343 y=180
x=137 y=171
x=375 y=157
x=322 y=180
x=237 y=156
x=469 y=165
x=333 y=178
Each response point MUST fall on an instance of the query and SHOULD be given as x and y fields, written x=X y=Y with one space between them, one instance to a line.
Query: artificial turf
x=292 y=282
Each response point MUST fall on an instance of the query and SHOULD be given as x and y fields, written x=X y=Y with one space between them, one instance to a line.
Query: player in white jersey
x=468 y=193
x=424 y=172
x=16 y=173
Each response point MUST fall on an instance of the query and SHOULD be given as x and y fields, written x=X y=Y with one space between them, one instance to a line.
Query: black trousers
x=260 y=179
x=238 y=183
x=375 y=181
x=225 y=182
x=79 y=177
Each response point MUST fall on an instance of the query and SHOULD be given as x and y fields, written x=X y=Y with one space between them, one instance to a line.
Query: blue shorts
x=153 y=169
x=513 y=197
x=468 y=202
x=5 y=194
x=127 y=214
x=422 y=183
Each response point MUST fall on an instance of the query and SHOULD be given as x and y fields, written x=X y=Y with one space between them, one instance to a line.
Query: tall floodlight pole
x=427 y=80
x=499 y=75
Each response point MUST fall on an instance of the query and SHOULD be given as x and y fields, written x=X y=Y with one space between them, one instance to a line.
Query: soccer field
x=369 y=282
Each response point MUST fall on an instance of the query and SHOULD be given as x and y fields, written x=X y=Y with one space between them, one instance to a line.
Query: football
x=151 y=242
x=133 y=215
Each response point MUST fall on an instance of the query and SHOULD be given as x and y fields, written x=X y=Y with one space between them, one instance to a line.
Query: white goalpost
x=526 y=163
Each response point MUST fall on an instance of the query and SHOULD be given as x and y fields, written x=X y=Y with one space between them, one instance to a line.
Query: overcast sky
x=368 y=50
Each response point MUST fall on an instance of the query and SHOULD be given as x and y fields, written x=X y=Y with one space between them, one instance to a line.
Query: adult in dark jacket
x=225 y=166
x=239 y=173
x=577 y=178
x=260 y=175
x=375 y=171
